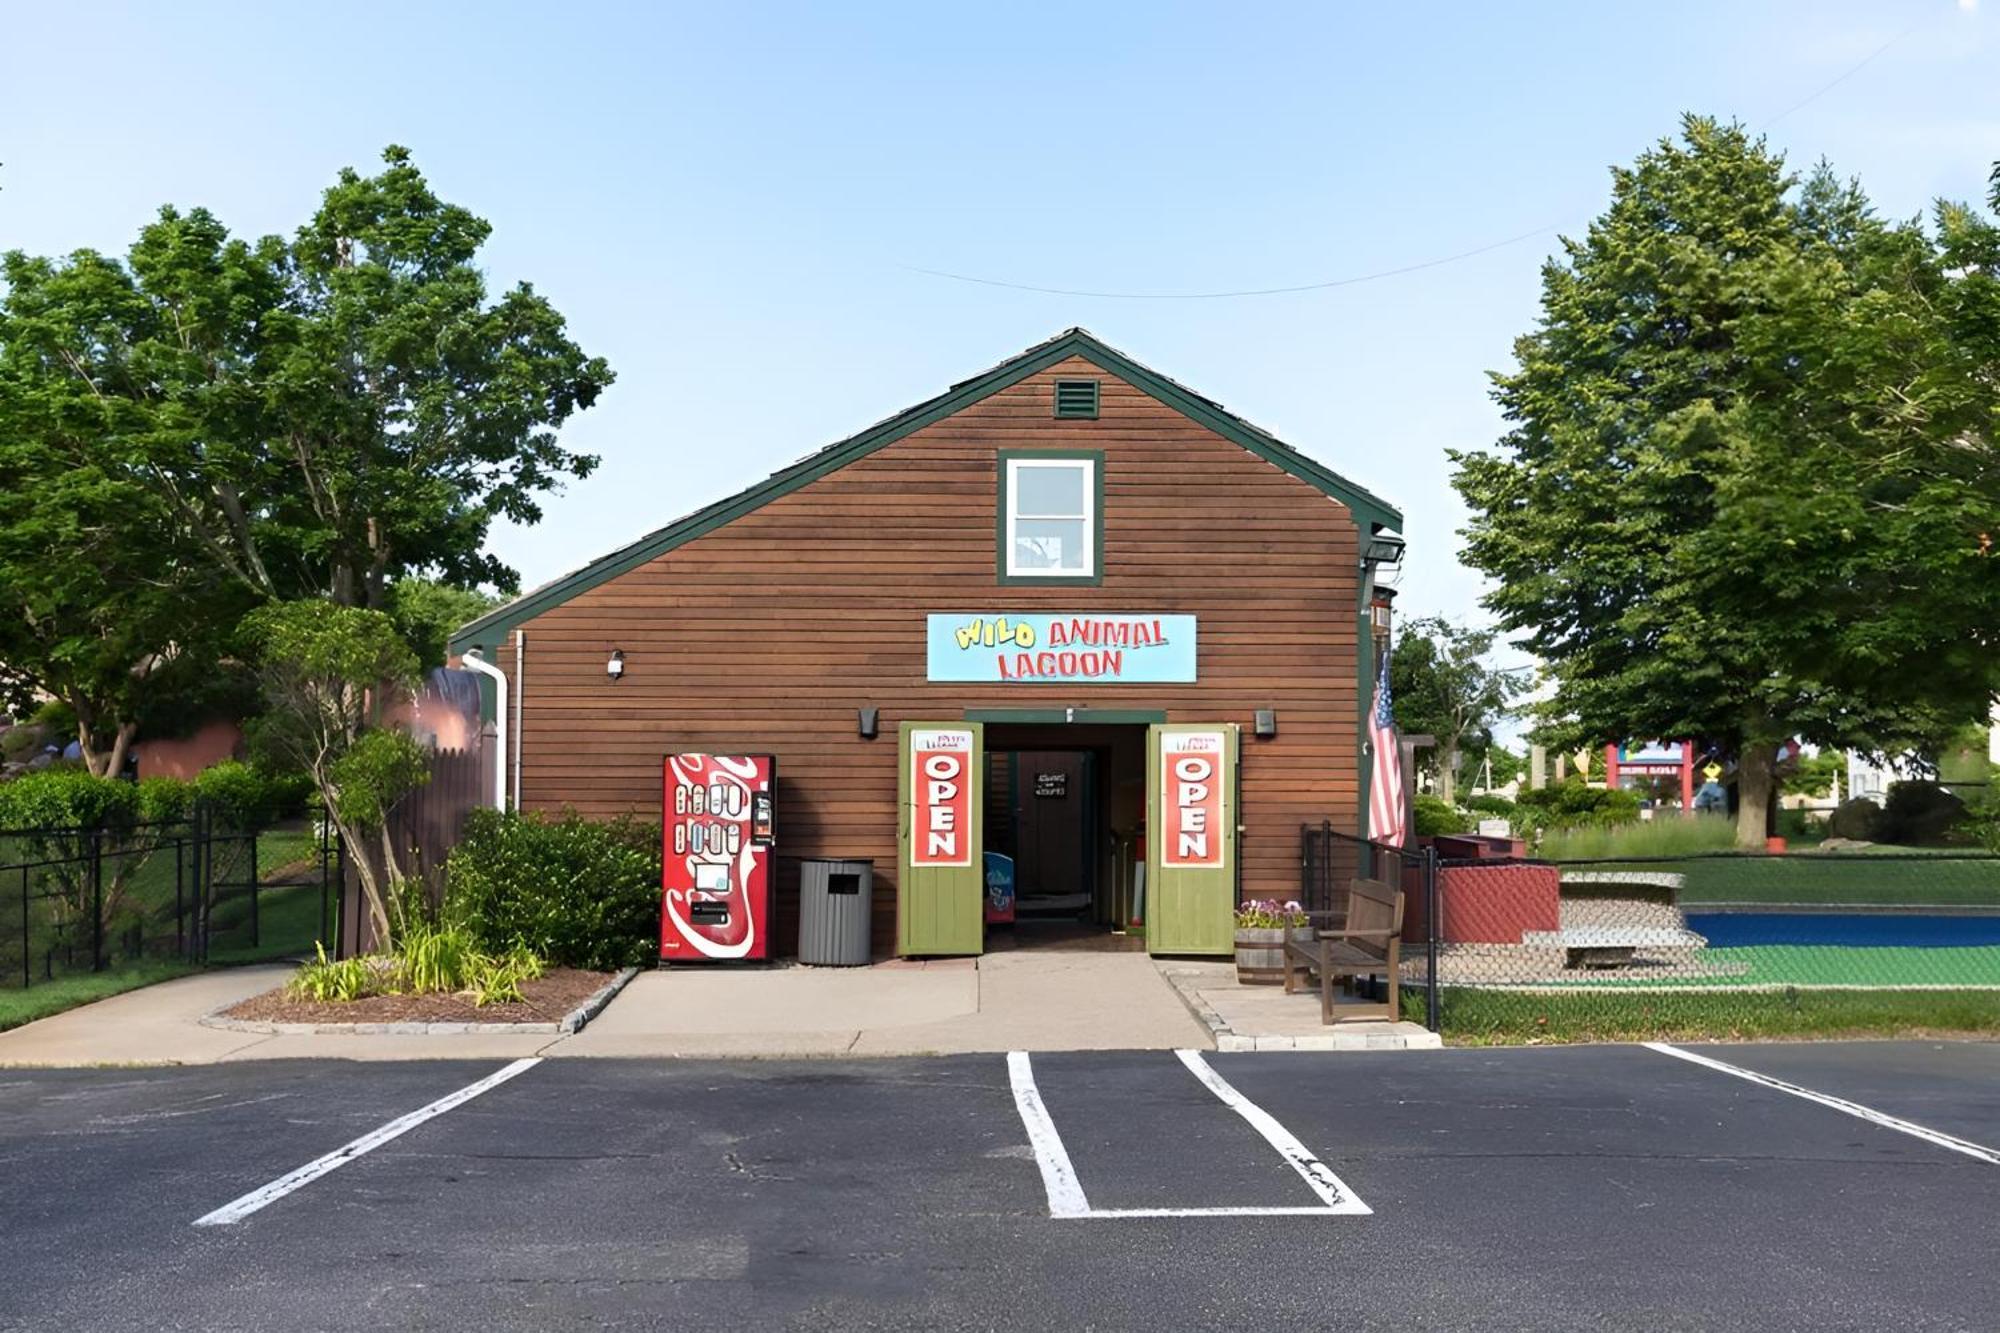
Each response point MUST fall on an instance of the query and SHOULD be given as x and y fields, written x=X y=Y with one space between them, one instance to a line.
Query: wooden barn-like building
x=1142 y=617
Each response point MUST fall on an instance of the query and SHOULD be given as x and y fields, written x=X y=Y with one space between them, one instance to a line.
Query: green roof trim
x=1368 y=509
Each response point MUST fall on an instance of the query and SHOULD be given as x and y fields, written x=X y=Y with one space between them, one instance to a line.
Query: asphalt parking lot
x=1611 y=1186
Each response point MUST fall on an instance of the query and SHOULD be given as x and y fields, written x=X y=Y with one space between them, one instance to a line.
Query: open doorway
x=1065 y=808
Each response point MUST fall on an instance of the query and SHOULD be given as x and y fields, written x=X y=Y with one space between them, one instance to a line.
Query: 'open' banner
x=1192 y=770
x=941 y=779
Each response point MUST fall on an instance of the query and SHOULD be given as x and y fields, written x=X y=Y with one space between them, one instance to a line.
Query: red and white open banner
x=941 y=778
x=1193 y=767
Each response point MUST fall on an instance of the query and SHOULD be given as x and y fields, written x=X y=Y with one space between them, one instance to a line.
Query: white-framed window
x=1050 y=526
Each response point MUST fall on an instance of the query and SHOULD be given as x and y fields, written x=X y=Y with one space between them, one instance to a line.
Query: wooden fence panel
x=423 y=828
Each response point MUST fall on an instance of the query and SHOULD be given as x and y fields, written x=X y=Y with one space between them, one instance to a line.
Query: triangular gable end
x=1368 y=509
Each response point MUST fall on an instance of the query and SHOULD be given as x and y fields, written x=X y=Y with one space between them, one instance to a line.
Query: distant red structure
x=1652 y=759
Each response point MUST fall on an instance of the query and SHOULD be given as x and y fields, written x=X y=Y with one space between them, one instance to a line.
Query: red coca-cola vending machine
x=715 y=876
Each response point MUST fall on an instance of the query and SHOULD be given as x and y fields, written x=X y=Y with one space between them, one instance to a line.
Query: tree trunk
x=371 y=885
x=1756 y=788
x=1447 y=786
x=119 y=747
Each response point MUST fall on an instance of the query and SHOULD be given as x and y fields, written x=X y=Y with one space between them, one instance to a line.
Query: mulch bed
x=544 y=1000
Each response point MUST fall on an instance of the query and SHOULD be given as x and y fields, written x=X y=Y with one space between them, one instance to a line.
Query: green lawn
x=288 y=924
x=1901 y=878
x=1826 y=965
x=52 y=997
x=1476 y=1017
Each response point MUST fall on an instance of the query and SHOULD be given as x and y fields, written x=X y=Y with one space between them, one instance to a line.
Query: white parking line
x=238 y=1209
x=1318 y=1176
x=1841 y=1104
x=1065 y=1190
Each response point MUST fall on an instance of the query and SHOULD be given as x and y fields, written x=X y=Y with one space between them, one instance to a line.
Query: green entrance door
x=941 y=884
x=1191 y=865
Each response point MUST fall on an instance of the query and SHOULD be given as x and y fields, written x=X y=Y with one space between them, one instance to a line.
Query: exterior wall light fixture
x=615 y=668
x=1383 y=547
x=1267 y=723
x=868 y=721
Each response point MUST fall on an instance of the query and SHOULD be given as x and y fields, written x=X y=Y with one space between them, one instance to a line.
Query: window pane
x=1049 y=544
x=1049 y=490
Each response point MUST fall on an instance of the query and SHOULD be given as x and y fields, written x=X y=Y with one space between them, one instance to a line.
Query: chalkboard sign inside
x=1051 y=784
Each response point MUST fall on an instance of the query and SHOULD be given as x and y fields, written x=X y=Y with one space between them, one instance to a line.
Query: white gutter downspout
x=472 y=659
x=520 y=683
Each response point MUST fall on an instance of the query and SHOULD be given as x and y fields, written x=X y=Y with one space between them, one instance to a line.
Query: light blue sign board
x=1105 y=648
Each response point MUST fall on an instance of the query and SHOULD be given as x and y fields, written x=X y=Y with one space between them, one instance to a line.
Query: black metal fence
x=1719 y=943
x=83 y=900
x=1329 y=862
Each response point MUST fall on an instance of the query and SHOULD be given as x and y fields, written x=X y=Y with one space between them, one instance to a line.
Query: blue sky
x=729 y=202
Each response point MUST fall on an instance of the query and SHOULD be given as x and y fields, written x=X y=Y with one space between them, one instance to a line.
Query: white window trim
x=1089 y=469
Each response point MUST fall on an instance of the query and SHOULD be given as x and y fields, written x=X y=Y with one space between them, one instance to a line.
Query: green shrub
x=244 y=796
x=1567 y=805
x=1435 y=815
x=1855 y=818
x=436 y=959
x=578 y=893
x=1488 y=804
x=1800 y=825
x=1917 y=814
x=69 y=798
x=334 y=982
x=23 y=741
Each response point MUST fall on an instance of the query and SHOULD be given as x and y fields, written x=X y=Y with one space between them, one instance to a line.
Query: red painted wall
x=189 y=755
x=1493 y=904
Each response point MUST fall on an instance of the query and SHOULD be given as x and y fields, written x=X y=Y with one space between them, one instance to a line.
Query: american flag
x=1387 y=813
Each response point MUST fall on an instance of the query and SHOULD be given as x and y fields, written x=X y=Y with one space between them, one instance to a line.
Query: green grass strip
x=1470 y=1017
x=52 y=997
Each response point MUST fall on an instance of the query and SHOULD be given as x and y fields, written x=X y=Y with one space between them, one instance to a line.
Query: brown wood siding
x=767 y=634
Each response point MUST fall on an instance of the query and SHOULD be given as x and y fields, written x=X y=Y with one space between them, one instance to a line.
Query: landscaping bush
x=70 y=798
x=1854 y=819
x=1488 y=804
x=1800 y=825
x=1434 y=816
x=575 y=892
x=1567 y=805
x=1918 y=814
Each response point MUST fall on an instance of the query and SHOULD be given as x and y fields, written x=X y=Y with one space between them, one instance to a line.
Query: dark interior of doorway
x=1067 y=804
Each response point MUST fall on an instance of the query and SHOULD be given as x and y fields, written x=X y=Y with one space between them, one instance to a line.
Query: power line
x=1255 y=291
x=1380 y=274
x=1852 y=70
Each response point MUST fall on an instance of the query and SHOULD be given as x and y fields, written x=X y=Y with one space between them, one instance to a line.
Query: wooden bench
x=1368 y=941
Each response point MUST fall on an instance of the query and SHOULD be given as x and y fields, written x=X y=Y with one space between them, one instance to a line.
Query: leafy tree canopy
x=1444 y=685
x=1749 y=479
x=319 y=415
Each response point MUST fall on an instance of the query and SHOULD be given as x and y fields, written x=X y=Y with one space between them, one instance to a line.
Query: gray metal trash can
x=835 y=902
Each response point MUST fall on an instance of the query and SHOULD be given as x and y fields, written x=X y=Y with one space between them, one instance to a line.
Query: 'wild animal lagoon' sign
x=1115 y=648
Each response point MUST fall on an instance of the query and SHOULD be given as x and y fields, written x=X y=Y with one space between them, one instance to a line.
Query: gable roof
x=1368 y=509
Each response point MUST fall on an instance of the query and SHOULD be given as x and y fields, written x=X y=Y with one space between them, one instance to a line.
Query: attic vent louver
x=1076 y=398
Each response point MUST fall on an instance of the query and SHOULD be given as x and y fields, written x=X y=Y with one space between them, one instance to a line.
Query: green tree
x=324 y=415
x=330 y=671
x=1748 y=468
x=1444 y=686
x=426 y=612
x=103 y=605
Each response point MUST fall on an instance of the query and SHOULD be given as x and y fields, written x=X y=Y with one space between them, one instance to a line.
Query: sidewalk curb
x=571 y=1022
x=1227 y=1038
x=1219 y=1032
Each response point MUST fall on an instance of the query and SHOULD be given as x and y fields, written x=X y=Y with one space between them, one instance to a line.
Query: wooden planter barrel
x=1260 y=953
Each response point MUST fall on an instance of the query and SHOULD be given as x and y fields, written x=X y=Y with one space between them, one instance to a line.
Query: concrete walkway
x=1027 y=1000
x=1264 y=1018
